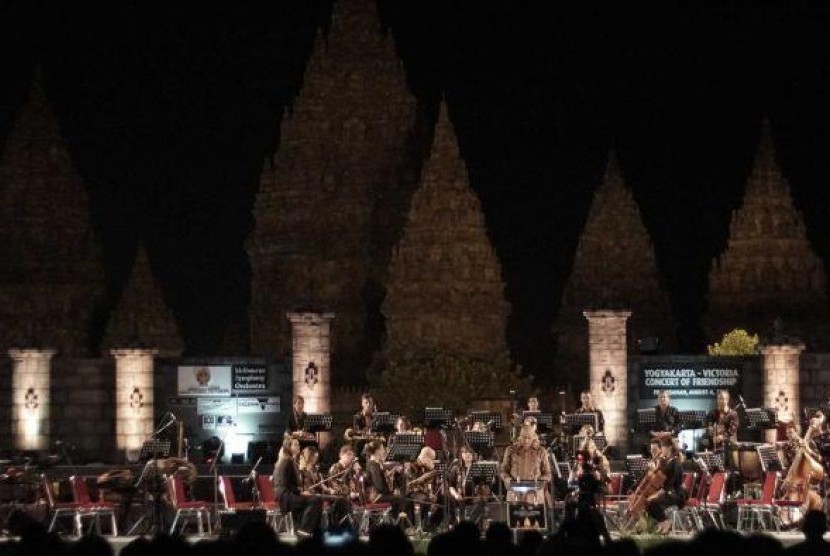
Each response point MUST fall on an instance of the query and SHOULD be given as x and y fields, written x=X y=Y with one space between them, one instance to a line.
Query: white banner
x=204 y=380
x=216 y=406
x=258 y=405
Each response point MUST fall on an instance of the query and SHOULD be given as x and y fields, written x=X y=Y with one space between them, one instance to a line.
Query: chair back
x=717 y=488
x=615 y=486
x=702 y=489
x=266 y=489
x=689 y=483
x=50 y=496
x=226 y=490
x=175 y=489
x=770 y=487
x=80 y=492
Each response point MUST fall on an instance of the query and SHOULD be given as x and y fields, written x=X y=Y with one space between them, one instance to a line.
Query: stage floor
x=420 y=543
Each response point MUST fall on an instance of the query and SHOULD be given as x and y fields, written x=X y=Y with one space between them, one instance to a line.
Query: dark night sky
x=168 y=115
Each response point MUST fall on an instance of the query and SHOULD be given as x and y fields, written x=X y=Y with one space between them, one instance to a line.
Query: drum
x=746 y=459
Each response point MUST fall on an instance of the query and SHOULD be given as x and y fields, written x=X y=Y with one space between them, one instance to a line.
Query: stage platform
x=420 y=544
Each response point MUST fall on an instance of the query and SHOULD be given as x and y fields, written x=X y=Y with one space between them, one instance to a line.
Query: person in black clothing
x=672 y=493
x=666 y=417
x=587 y=401
x=305 y=510
x=296 y=419
x=379 y=489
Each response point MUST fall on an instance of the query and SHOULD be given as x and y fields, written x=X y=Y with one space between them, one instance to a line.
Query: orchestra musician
x=721 y=424
x=590 y=476
x=346 y=480
x=463 y=490
x=362 y=422
x=305 y=510
x=379 y=487
x=587 y=401
x=666 y=417
x=591 y=461
x=672 y=493
x=422 y=487
x=525 y=460
x=295 y=427
x=402 y=424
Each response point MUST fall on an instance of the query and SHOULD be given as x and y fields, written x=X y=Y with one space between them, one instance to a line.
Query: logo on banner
x=259 y=405
x=204 y=380
x=312 y=375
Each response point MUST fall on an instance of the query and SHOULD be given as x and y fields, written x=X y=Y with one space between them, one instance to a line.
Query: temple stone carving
x=768 y=270
x=51 y=270
x=333 y=188
x=614 y=267
x=445 y=290
x=141 y=317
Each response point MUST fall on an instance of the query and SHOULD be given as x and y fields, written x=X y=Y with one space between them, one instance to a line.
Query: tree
x=411 y=382
x=736 y=342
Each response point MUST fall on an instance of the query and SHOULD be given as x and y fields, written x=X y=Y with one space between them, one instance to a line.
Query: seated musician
x=379 y=488
x=672 y=493
x=295 y=427
x=590 y=460
x=525 y=460
x=486 y=452
x=402 y=424
x=802 y=479
x=346 y=474
x=792 y=444
x=304 y=509
x=721 y=424
x=312 y=483
x=362 y=422
x=666 y=417
x=587 y=401
x=422 y=488
x=465 y=492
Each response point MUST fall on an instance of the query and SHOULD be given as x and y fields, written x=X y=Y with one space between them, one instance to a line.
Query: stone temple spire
x=51 y=268
x=141 y=317
x=614 y=268
x=768 y=269
x=445 y=290
x=341 y=148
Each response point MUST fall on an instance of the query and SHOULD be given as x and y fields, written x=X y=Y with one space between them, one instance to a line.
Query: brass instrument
x=352 y=435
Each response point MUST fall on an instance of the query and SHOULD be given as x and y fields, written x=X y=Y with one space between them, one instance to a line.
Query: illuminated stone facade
x=782 y=381
x=52 y=274
x=445 y=290
x=31 y=398
x=768 y=268
x=311 y=359
x=614 y=266
x=332 y=203
x=134 y=419
x=608 y=363
x=141 y=315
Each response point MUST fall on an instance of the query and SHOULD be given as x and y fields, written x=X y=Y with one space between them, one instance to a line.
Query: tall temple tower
x=141 y=315
x=341 y=148
x=768 y=269
x=614 y=268
x=51 y=270
x=445 y=290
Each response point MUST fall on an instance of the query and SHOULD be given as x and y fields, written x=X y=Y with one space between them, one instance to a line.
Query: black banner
x=249 y=378
x=691 y=383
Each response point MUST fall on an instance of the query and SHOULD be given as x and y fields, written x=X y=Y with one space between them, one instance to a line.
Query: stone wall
x=815 y=379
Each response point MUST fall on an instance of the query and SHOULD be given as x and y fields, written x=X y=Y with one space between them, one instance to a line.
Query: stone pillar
x=608 y=363
x=134 y=419
x=311 y=333
x=30 y=398
x=781 y=381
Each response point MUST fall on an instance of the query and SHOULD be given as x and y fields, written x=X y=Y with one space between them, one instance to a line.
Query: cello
x=804 y=470
x=649 y=484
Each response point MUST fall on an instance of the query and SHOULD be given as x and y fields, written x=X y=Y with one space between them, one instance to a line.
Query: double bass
x=651 y=482
x=804 y=470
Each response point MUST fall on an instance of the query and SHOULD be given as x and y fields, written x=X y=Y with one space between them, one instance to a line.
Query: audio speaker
x=648 y=345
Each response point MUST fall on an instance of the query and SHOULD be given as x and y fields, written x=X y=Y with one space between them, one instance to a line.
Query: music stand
x=483 y=472
x=315 y=423
x=636 y=465
x=713 y=460
x=383 y=422
x=487 y=417
x=691 y=419
x=544 y=421
x=770 y=458
x=403 y=452
x=527 y=515
x=437 y=417
x=599 y=439
x=575 y=421
x=154 y=449
x=479 y=441
x=761 y=418
x=414 y=438
x=646 y=419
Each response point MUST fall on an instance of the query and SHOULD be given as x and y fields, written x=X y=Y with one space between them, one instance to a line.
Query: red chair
x=280 y=521
x=752 y=512
x=184 y=508
x=61 y=509
x=714 y=500
x=86 y=507
x=229 y=498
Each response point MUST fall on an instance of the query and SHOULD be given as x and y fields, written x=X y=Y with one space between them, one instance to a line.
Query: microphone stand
x=158 y=511
x=252 y=478
x=215 y=472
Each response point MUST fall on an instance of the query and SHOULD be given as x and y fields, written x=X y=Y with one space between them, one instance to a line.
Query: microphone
x=172 y=416
x=741 y=398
